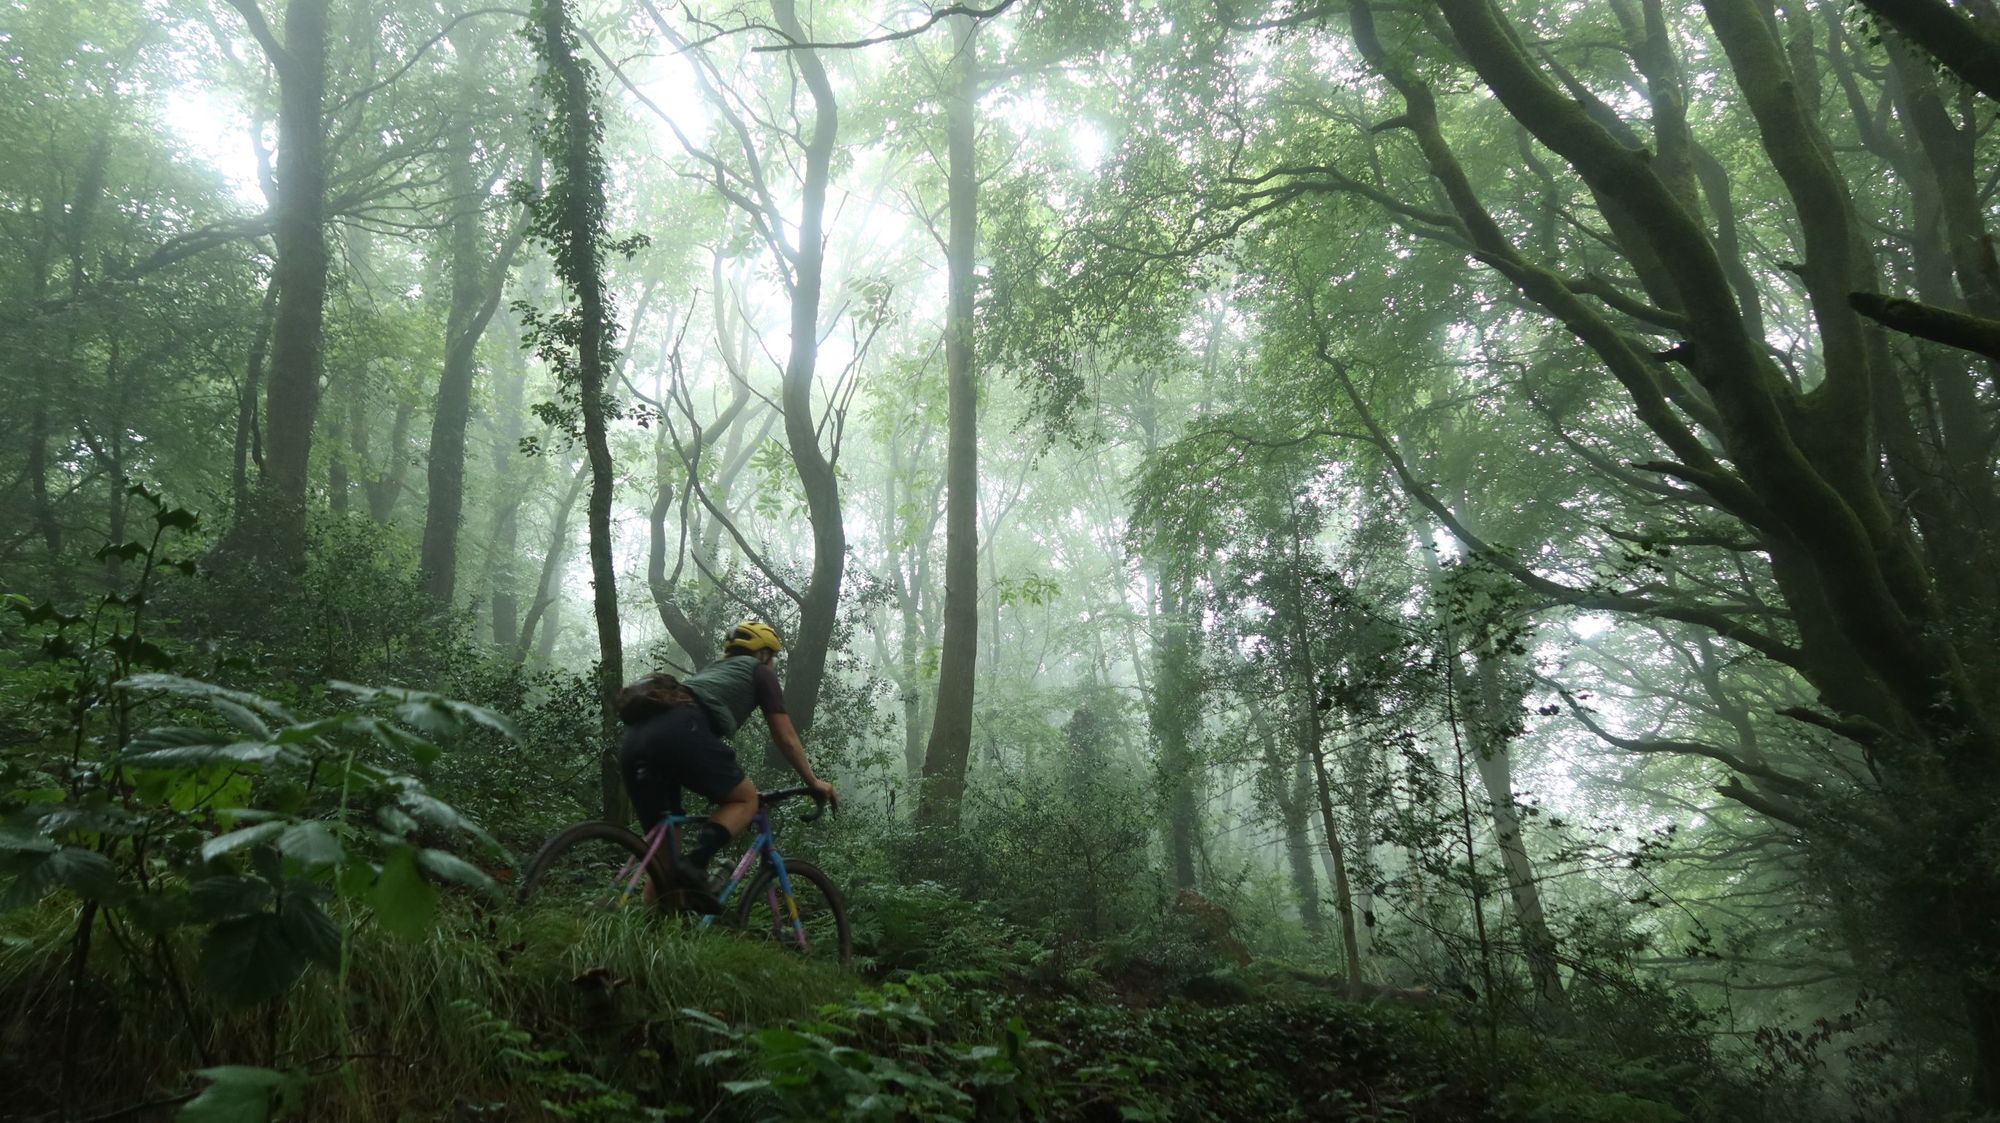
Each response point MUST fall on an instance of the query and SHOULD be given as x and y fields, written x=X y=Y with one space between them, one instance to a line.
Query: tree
x=950 y=747
x=478 y=275
x=277 y=533
x=569 y=218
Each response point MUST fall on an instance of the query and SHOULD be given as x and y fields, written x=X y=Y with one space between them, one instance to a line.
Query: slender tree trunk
x=547 y=595
x=946 y=758
x=579 y=256
x=249 y=441
x=821 y=599
x=386 y=487
x=503 y=561
x=1496 y=773
x=1175 y=714
x=1299 y=849
x=1336 y=857
x=545 y=643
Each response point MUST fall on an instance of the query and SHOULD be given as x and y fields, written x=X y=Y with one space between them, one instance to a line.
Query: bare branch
x=936 y=17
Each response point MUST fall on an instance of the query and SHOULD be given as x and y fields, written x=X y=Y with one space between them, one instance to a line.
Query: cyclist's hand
x=824 y=790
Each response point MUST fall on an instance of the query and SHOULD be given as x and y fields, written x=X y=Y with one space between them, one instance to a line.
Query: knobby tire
x=745 y=909
x=547 y=867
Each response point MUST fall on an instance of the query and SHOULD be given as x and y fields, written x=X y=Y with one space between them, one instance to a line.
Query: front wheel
x=821 y=931
x=592 y=867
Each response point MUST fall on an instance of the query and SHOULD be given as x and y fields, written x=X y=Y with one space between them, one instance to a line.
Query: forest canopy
x=1456 y=538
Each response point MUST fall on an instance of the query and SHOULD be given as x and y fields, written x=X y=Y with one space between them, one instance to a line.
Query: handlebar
x=765 y=799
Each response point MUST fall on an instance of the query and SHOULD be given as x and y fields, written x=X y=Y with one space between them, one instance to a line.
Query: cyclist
x=683 y=746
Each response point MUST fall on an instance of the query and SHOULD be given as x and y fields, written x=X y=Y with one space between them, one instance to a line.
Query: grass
x=599 y=999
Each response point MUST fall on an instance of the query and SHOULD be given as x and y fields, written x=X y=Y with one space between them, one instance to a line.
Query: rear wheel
x=581 y=869
x=762 y=915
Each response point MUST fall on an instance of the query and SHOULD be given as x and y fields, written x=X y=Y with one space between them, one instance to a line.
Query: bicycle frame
x=666 y=832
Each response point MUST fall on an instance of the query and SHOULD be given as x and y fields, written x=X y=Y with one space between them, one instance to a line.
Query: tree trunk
x=579 y=248
x=502 y=561
x=1336 y=859
x=946 y=758
x=1299 y=849
x=249 y=441
x=384 y=488
x=476 y=284
x=821 y=599
x=1175 y=714
x=547 y=594
x=299 y=231
x=1496 y=773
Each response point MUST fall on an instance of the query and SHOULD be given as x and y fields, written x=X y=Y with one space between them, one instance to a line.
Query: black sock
x=709 y=839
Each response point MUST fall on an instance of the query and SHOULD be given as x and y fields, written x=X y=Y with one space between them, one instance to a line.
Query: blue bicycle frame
x=666 y=832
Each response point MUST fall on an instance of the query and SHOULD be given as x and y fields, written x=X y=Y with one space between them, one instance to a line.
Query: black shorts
x=673 y=751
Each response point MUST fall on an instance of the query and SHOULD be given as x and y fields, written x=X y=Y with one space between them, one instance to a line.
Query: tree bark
x=579 y=253
x=249 y=447
x=299 y=231
x=476 y=285
x=546 y=592
x=1175 y=714
x=950 y=748
x=1491 y=742
x=1299 y=849
x=821 y=600
x=1961 y=43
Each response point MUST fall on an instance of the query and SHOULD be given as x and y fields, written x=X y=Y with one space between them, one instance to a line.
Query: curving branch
x=937 y=16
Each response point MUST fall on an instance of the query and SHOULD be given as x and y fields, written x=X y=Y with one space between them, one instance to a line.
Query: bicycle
x=805 y=911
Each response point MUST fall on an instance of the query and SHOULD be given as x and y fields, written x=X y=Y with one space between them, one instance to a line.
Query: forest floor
x=505 y=1015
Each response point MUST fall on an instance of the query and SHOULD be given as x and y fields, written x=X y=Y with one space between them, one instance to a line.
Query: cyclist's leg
x=644 y=761
x=699 y=761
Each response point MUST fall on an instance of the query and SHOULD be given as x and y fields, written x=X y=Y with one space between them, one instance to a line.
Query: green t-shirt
x=731 y=688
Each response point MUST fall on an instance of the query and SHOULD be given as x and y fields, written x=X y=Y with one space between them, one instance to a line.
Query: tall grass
x=410 y=1035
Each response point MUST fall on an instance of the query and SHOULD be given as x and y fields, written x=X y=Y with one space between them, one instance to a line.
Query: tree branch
x=936 y=17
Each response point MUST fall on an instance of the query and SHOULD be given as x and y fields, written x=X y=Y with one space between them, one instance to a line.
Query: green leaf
x=397 y=739
x=310 y=730
x=235 y=840
x=450 y=867
x=123 y=551
x=310 y=929
x=311 y=843
x=195 y=688
x=238 y=1094
x=356 y=877
x=396 y=821
x=430 y=718
x=161 y=912
x=171 y=737
x=194 y=756
x=241 y=716
x=84 y=872
x=177 y=518
x=19 y=841
x=143 y=653
x=231 y=896
x=251 y=959
x=404 y=902
x=43 y=613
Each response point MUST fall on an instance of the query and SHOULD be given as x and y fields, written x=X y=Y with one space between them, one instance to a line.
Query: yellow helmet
x=753 y=636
